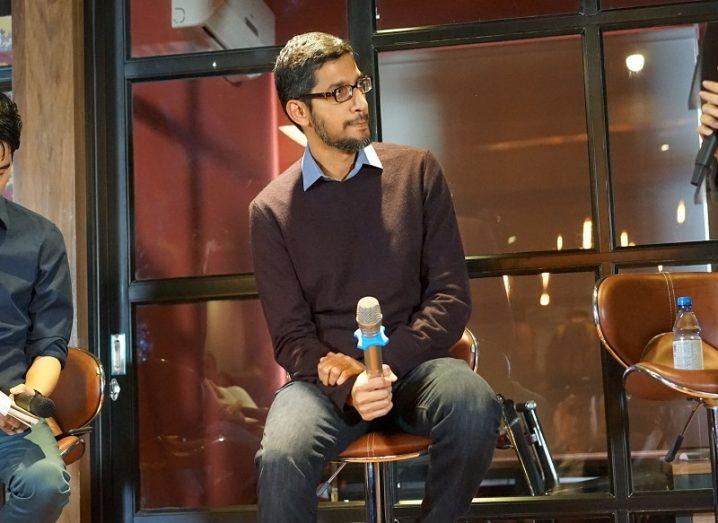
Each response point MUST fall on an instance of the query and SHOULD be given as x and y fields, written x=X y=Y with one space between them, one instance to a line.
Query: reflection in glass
x=206 y=377
x=507 y=122
x=202 y=150
x=653 y=141
x=654 y=426
x=549 y=354
x=165 y=27
x=5 y=40
x=393 y=14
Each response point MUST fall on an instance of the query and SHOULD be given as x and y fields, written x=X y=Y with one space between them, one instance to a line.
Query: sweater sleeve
x=445 y=308
x=294 y=335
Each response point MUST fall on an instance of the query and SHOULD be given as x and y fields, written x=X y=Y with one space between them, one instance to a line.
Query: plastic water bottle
x=687 y=346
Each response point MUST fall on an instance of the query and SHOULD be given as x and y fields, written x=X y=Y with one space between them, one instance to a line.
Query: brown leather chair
x=78 y=399
x=634 y=314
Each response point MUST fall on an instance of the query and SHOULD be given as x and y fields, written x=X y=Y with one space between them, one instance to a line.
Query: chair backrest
x=630 y=309
x=467 y=349
x=80 y=391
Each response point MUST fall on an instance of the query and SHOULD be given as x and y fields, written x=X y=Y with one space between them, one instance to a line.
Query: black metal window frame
x=114 y=293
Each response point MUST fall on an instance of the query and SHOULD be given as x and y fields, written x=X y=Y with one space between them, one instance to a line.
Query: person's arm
x=709 y=109
x=297 y=347
x=446 y=302
x=50 y=312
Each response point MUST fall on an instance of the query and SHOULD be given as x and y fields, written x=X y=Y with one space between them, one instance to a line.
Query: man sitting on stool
x=35 y=325
x=352 y=219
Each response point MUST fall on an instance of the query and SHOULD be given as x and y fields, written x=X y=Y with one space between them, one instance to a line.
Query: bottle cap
x=684 y=301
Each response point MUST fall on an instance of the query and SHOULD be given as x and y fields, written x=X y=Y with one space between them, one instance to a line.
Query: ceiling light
x=635 y=62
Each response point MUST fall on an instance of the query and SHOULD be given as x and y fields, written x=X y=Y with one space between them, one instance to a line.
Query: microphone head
x=369 y=311
x=43 y=407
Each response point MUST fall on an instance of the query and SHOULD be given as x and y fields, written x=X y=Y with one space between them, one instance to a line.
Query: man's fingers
x=376 y=410
x=371 y=396
x=709 y=120
x=709 y=97
x=334 y=374
x=709 y=109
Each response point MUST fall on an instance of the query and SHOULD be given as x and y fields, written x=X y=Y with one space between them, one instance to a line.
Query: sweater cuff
x=339 y=394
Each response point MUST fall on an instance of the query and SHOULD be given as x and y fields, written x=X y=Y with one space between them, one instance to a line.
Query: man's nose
x=359 y=101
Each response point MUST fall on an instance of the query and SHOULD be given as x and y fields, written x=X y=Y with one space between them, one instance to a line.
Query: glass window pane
x=507 y=121
x=5 y=38
x=653 y=140
x=537 y=342
x=206 y=377
x=164 y=27
x=202 y=150
x=613 y=4
x=654 y=426
x=412 y=13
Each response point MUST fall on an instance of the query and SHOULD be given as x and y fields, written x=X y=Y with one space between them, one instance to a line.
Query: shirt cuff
x=57 y=349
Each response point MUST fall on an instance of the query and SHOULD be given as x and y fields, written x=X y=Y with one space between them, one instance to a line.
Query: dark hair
x=10 y=123
x=300 y=58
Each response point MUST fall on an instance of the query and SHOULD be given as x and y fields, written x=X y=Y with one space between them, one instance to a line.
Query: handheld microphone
x=38 y=404
x=370 y=334
x=704 y=159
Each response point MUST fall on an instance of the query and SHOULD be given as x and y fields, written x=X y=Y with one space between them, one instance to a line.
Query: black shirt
x=35 y=292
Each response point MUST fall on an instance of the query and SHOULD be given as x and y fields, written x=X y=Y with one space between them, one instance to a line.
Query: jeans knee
x=44 y=482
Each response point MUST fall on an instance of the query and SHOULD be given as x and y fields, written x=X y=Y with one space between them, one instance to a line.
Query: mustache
x=360 y=119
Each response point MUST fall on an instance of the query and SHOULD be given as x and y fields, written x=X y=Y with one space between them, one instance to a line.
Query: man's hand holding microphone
x=371 y=394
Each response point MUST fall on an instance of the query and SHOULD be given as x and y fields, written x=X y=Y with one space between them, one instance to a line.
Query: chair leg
x=713 y=428
x=379 y=499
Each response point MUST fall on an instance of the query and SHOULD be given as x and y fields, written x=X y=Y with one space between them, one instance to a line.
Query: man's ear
x=298 y=112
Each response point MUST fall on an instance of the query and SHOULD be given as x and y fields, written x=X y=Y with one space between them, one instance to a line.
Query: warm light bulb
x=587 y=242
x=507 y=285
x=559 y=242
x=545 y=299
x=511 y=240
x=660 y=268
x=665 y=147
x=635 y=62
x=681 y=212
x=624 y=238
x=544 y=279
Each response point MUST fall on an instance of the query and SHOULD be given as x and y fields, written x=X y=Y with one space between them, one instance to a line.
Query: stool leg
x=379 y=499
x=713 y=428
x=372 y=504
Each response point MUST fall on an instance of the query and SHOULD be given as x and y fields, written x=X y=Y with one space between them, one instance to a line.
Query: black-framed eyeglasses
x=344 y=92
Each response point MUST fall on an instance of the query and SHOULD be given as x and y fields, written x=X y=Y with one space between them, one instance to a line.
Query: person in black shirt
x=35 y=323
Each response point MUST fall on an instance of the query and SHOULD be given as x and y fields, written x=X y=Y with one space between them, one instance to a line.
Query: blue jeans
x=33 y=471
x=442 y=399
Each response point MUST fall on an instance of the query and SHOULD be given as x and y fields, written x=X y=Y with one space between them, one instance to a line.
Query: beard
x=348 y=145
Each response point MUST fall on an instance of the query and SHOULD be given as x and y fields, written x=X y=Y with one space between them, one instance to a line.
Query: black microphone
x=706 y=69
x=38 y=404
x=705 y=159
x=372 y=337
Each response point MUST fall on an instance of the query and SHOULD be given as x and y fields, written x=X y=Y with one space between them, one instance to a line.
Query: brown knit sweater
x=389 y=233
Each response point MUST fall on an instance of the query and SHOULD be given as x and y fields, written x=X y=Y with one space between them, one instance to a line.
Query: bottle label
x=688 y=354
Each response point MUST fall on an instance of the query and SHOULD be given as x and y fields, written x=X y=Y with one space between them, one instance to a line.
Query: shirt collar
x=3 y=212
x=311 y=172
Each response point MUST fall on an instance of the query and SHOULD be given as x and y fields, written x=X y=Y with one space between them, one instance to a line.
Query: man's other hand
x=337 y=368
x=8 y=424
x=371 y=397
x=709 y=109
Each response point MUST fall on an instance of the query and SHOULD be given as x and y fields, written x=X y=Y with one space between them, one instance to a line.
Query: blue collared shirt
x=35 y=292
x=311 y=172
